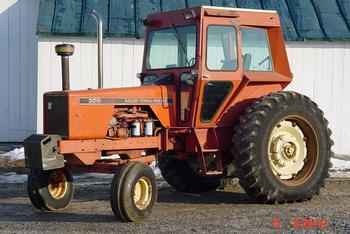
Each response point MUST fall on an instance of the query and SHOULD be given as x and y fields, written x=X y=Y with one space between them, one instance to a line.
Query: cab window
x=173 y=47
x=221 y=48
x=256 y=50
x=215 y=92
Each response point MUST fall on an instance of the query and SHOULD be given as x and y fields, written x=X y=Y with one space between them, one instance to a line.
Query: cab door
x=221 y=69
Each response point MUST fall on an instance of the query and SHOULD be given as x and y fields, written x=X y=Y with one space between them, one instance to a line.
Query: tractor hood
x=143 y=95
x=86 y=114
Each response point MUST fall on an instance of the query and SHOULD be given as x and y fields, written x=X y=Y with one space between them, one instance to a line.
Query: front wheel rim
x=142 y=193
x=58 y=185
x=293 y=150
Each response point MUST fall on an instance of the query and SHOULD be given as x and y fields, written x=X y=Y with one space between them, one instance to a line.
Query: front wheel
x=282 y=147
x=133 y=192
x=50 y=190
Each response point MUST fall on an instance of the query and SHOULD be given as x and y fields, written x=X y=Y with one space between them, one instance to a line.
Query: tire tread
x=244 y=147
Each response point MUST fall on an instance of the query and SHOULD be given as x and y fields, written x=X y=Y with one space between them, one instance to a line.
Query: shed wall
x=320 y=70
x=18 y=66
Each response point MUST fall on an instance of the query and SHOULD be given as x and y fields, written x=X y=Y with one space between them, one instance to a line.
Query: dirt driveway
x=215 y=212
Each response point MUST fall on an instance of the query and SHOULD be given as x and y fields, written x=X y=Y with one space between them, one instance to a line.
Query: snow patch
x=13 y=155
x=156 y=170
x=340 y=165
x=340 y=174
x=18 y=154
x=340 y=168
x=85 y=179
x=110 y=157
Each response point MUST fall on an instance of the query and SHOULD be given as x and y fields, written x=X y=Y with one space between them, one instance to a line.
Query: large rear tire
x=180 y=175
x=282 y=148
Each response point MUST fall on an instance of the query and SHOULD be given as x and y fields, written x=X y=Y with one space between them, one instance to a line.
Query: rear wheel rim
x=58 y=185
x=142 y=193
x=293 y=150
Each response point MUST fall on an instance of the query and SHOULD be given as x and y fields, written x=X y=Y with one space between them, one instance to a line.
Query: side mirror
x=140 y=76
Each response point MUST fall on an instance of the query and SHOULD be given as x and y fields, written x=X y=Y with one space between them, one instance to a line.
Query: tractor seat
x=247 y=61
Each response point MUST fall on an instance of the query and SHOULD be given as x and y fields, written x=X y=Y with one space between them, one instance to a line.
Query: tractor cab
x=206 y=53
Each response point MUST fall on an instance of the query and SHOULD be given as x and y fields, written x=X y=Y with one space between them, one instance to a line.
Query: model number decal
x=90 y=100
x=124 y=101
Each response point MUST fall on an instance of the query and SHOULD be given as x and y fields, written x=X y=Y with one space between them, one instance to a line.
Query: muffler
x=99 y=31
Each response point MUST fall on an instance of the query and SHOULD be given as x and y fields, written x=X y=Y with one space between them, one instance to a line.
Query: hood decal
x=124 y=101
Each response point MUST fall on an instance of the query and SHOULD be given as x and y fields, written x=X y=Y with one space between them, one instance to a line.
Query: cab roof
x=238 y=9
x=242 y=16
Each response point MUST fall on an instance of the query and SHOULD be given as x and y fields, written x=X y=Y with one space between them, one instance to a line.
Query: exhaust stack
x=99 y=24
x=65 y=51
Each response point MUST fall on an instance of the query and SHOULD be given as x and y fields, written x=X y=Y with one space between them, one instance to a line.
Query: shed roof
x=301 y=19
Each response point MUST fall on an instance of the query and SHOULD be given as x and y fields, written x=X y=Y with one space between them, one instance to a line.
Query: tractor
x=210 y=106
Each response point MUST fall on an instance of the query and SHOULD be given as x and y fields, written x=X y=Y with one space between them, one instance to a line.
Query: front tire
x=133 y=192
x=282 y=147
x=50 y=190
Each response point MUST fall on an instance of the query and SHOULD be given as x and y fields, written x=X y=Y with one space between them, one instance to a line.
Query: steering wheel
x=264 y=60
x=191 y=62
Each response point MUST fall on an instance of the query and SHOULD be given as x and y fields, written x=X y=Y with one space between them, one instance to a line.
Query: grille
x=56 y=114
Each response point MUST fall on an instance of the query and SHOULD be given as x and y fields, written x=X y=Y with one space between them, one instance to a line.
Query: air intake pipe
x=99 y=24
x=65 y=51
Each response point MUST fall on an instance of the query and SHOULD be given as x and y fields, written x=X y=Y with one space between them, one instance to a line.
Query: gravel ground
x=215 y=212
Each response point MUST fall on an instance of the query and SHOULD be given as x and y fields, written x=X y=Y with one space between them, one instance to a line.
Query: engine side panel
x=88 y=113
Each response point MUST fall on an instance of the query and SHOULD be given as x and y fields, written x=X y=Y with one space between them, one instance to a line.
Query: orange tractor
x=209 y=107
